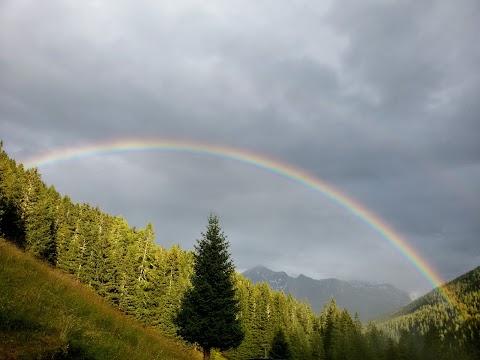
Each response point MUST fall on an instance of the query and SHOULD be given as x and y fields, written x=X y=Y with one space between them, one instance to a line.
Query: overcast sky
x=379 y=98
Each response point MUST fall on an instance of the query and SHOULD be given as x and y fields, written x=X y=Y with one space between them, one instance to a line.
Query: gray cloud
x=377 y=98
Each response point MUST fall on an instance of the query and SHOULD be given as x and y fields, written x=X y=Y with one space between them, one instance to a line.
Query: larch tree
x=209 y=311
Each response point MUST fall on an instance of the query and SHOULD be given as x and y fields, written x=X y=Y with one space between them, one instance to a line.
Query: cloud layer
x=377 y=98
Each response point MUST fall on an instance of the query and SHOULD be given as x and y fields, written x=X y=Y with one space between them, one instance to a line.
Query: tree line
x=125 y=266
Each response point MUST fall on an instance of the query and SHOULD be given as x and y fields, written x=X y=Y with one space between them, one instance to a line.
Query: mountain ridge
x=368 y=300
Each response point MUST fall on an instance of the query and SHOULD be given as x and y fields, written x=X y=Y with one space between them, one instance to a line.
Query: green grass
x=46 y=314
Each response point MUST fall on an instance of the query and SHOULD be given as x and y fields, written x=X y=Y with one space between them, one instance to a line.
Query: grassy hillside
x=47 y=314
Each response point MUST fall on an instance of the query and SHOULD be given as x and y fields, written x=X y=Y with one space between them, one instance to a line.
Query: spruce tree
x=280 y=347
x=209 y=312
x=11 y=223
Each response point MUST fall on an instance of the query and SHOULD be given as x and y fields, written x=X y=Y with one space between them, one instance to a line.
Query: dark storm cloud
x=416 y=64
x=379 y=98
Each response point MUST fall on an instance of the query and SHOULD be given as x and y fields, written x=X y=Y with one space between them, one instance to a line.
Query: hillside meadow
x=45 y=313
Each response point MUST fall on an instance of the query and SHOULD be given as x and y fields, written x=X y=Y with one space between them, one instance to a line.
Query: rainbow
x=261 y=162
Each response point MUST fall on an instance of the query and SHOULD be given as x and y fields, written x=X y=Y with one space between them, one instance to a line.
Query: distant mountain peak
x=276 y=280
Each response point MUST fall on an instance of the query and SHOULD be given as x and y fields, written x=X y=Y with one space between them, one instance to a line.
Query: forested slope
x=125 y=265
x=437 y=320
x=131 y=272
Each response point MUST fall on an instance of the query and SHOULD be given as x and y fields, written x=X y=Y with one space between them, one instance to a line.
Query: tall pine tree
x=209 y=310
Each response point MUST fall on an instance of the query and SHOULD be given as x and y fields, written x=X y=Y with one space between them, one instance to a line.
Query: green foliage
x=280 y=348
x=208 y=314
x=11 y=219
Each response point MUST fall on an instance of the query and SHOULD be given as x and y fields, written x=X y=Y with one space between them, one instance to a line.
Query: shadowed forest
x=125 y=267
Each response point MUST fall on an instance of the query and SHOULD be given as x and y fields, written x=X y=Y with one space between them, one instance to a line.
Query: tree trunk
x=206 y=353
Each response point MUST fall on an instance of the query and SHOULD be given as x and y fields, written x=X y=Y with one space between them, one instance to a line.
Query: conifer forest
x=126 y=267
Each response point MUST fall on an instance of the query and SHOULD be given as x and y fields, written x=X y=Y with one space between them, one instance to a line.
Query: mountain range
x=369 y=300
